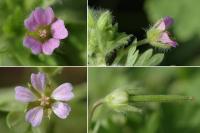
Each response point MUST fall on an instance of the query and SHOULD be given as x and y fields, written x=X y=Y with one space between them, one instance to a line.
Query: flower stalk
x=142 y=42
x=158 y=98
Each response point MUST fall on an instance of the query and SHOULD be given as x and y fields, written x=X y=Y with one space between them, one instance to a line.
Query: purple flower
x=45 y=31
x=162 y=25
x=40 y=100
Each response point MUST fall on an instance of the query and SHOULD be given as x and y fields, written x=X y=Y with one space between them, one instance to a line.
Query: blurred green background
x=72 y=50
x=12 y=115
x=135 y=16
x=175 y=117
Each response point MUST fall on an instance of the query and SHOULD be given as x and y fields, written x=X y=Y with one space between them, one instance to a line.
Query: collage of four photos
x=99 y=66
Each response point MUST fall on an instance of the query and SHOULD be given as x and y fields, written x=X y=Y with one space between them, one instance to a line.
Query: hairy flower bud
x=158 y=36
x=118 y=101
x=116 y=98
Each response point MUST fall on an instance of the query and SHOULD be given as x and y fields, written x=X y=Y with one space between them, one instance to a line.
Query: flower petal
x=61 y=109
x=164 y=38
x=63 y=92
x=58 y=29
x=35 y=46
x=49 y=46
x=30 y=23
x=34 y=116
x=44 y=17
x=24 y=95
x=38 y=81
x=50 y=15
x=164 y=23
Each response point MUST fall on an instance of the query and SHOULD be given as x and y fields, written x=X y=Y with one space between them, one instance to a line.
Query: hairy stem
x=142 y=42
x=159 y=98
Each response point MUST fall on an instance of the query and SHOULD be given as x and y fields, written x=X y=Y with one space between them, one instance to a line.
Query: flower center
x=43 y=33
x=44 y=100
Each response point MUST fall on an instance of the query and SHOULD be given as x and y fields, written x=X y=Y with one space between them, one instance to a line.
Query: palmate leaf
x=148 y=59
x=145 y=59
x=132 y=56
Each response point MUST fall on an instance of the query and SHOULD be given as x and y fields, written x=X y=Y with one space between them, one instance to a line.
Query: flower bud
x=118 y=101
x=117 y=98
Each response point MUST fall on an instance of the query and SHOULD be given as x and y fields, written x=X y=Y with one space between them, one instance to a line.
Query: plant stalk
x=142 y=42
x=159 y=98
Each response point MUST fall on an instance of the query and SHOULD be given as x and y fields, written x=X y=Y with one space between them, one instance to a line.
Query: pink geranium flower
x=40 y=100
x=45 y=31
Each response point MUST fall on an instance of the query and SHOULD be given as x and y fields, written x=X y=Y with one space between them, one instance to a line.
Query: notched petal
x=49 y=46
x=34 y=116
x=33 y=44
x=44 y=16
x=58 y=29
x=63 y=92
x=61 y=109
x=164 y=23
x=50 y=15
x=38 y=81
x=30 y=23
x=24 y=95
x=168 y=21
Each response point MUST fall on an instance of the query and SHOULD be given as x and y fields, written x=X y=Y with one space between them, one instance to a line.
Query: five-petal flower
x=56 y=101
x=45 y=31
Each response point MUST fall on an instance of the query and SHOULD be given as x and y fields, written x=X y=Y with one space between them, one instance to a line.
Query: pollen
x=43 y=33
x=44 y=100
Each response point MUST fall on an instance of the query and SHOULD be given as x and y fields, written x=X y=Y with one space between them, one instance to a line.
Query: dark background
x=129 y=14
x=12 y=76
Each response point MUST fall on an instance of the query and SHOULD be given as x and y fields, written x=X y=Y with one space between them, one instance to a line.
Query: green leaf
x=143 y=59
x=155 y=59
x=122 y=39
x=132 y=56
x=16 y=122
